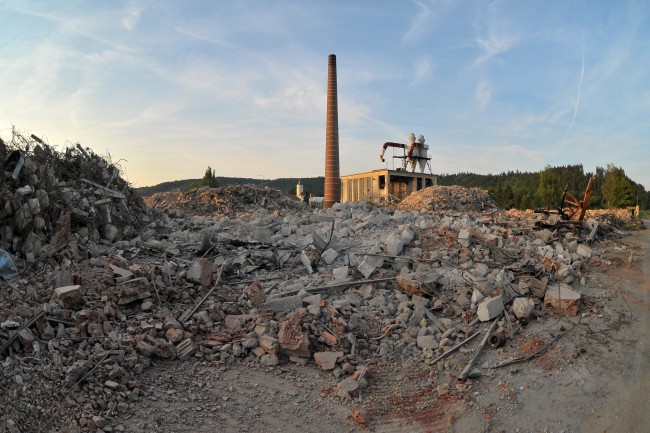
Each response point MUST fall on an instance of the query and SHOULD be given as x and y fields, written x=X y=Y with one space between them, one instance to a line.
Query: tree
x=617 y=189
x=209 y=179
x=550 y=188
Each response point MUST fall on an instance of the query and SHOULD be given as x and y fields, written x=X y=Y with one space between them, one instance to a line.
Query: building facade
x=383 y=186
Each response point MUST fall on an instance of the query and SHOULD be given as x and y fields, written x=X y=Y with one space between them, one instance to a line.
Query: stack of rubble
x=455 y=198
x=336 y=288
x=45 y=192
x=223 y=200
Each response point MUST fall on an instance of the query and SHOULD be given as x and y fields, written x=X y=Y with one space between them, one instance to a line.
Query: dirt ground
x=593 y=378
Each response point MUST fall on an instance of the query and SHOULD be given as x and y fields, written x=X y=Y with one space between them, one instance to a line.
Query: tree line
x=512 y=189
x=531 y=190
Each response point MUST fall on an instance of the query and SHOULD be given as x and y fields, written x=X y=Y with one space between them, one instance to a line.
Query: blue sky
x=170 y=87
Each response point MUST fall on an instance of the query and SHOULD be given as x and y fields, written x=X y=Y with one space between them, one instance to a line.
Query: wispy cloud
x=303 y=97
x=130 y=20
x=483 y=95
x=419 y=23
x=533 y=124
x=422 y=69
x=577 y=103
x=493 y=45
x=202 y=36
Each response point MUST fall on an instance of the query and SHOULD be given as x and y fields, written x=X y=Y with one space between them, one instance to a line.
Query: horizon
x=165 y=87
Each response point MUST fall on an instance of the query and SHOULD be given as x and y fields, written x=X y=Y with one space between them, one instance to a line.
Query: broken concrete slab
x=287 y=303
x=561 y=299
x=69 y=297
x=427 y=342
x=523 y=307
x=584 y=251
x=329 y=256
x=347 y=388
x=269 y=344
x=327 y=360
x=490 y=308
x=340 y=273
x=394 y=244
x=200 y=271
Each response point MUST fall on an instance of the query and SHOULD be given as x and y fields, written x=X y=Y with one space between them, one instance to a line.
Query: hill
x=313 y=185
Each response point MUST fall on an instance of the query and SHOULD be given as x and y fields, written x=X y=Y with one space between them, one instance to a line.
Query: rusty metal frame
x=570 y=205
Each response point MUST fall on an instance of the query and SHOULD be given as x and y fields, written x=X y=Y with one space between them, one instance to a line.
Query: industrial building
x=384 y=185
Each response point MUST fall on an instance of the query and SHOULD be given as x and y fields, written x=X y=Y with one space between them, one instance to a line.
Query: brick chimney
x=332 y=169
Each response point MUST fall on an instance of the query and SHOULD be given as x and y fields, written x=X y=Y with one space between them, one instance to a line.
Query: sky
x=167 y=88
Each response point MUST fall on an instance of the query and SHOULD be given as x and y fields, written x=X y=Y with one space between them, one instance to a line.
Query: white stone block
x=522 y=307
x=490 y=308
x=329 y=255
x=340 y=273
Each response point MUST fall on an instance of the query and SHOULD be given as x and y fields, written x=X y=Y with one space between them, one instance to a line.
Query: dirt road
x=626 y=407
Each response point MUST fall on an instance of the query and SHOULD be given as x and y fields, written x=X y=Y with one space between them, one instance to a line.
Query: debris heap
x=454 y=198
x=223 y=200
x=46 y=195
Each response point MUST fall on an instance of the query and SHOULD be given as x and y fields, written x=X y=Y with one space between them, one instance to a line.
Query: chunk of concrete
x=561 y=299
x=262 y=234
x=427 y=342
x=340 y=273
x=464 y=236
x=306 y=262
x=269 y=344
x=584 y=250
x=347 y=388
x=269 y=360
x=327 y=360
x=287 y=303
x=490 y=308
x=329 y=255
x=366 y=268
x=522 y=307
x=481 y=270
x=69 y=297
x=200 y=271
x=394 y=244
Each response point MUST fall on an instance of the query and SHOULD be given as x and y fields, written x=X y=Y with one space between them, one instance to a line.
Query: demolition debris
x=106 y=288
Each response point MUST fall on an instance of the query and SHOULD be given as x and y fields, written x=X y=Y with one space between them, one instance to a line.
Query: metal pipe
x=332 y=168
x=387 y=145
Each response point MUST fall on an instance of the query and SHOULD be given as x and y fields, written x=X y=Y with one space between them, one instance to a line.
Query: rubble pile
x=608 y=219
x=223 y=200
x=455 y=198
x=46 y=195
x=340 y=289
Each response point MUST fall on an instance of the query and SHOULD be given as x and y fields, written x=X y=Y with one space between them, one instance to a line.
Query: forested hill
x=313 y=185
x=526 y=190
x=522 y=190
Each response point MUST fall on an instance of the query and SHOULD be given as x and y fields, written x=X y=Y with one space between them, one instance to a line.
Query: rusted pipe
x=387 y=145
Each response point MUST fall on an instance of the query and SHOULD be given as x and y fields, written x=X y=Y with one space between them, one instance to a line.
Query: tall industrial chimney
x=332 y=171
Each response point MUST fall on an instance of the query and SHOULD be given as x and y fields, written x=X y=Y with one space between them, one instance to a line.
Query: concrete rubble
x=242 y=274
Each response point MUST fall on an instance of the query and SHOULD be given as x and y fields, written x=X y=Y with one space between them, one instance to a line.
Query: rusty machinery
x=570 y=206
x=415 y=153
